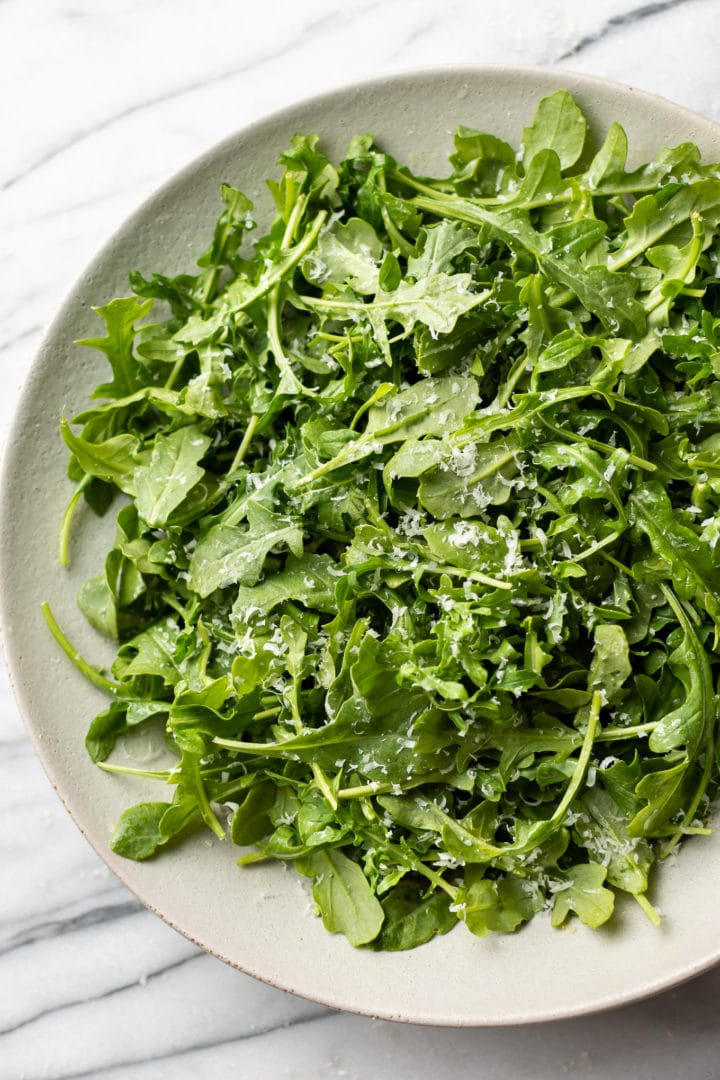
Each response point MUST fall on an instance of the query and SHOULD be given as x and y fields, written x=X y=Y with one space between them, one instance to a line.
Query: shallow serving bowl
x=260 y=919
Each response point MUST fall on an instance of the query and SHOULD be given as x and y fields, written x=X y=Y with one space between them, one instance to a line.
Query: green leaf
x=687 y=724
x=687 y=560
x=602 y=830
x=96 y=600
x=228 y=235
x=500 y=905
x=621 y=778
x=310 y=579
x=120 y=317
x=581 y=890
x=104 y=730
x=348 y=254
x=436 y=301
x=153 y=652
x=251 y=821
x=558 y=125
x=652 y=217
x=413 y=917
x=610 y=667
x=113 y=460
x=137 y=834
x=482 y=161
x=478 y=476
x=229 y=554
x=347 y=903
x=472 y=545
x=664 y=793
x=437 y=246
x=171 y=473
x=609 y=162
x=431 y=407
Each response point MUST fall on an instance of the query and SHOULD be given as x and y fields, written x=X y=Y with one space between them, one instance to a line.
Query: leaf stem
x=597 y=546
x=279 y=271
x=324 y=784
x=362 y=790
x=508 y=386
x=127 y=770
x=206 y=811
x=267 y=713
x=383 y=389
x=391 y=228
x=437 y=879
x=583 y=760
x=446 y=191
x=176 y=369
x=647 y=907
x=67 y=519
x=293 y=221
x=597 y=444
x=610 y=733
x=90 y=673
x=244 y=445
x=252 y=857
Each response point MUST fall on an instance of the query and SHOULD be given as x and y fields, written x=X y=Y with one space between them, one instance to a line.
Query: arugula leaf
x=171 y=473
x=687 y=725
x=310 y=579
x=229 y=555
x=250 y=822
x=152 y=652
x=433 y=407
x=558 y=125
x=114 y=460
x=347 y=903
x=686 y=561
x=137 y=834
x=482 y=161
x=436 y=301
x=104 y=730
x=610 y=666
x=437 y=247
x=602 y=830
x=501 y=905
x=582 y=890
x=665 y=792
x=478 y=476
x=413 y=918
x=349 y=255
x=120 y=317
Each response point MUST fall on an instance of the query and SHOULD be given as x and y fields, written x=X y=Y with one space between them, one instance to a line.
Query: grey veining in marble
x=101 y=103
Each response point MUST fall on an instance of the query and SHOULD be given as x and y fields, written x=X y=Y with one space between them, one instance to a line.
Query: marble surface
x=101 y=103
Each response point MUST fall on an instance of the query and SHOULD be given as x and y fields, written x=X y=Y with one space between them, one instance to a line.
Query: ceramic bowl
x=261 y=919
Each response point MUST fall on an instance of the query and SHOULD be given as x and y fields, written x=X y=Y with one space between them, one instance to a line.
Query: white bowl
x=260 y=919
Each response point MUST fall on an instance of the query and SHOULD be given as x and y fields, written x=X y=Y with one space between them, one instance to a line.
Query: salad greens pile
x=419 y=570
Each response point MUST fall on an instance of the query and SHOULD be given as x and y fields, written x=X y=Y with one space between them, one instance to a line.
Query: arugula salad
x=418 y=565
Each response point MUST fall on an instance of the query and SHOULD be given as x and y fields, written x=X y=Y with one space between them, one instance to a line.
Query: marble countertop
x=101 y=104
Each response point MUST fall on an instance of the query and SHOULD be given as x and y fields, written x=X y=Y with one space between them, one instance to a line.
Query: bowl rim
x=336 y=93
